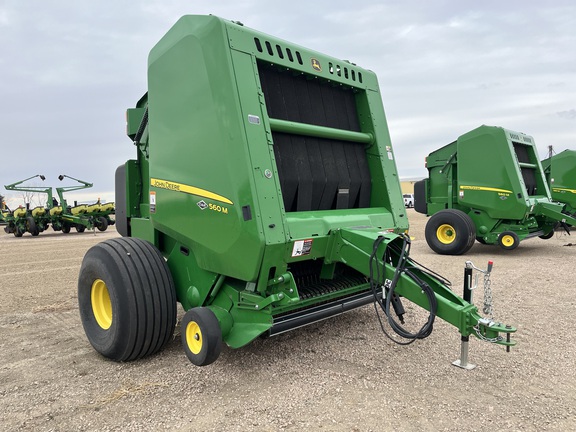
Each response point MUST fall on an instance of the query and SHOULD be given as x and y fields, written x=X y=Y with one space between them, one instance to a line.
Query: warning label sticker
x=152 y=202
x=302 y=247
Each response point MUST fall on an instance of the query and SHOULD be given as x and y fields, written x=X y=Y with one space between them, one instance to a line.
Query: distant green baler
x=560 y=172
x=487 y=186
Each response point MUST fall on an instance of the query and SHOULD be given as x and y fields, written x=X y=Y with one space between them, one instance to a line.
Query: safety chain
x=488 y=308
x=484 y=338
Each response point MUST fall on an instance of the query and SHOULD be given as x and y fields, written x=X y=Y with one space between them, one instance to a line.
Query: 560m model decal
x=192 y=190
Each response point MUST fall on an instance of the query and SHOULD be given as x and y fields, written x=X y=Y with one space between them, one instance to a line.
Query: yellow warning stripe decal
x=482 y=188
x=192 y=190
x=563 y=190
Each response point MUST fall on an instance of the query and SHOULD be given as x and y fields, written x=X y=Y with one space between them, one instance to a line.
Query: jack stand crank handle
x=490 y=265
x=467 y=295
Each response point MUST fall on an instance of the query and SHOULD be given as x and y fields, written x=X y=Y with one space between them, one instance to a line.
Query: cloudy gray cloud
x=69 y=70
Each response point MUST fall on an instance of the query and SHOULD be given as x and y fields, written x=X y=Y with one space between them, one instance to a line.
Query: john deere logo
x=316 y=65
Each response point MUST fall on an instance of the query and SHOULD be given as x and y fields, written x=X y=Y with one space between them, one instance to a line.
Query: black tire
x=481 y=240
x=18 y=232
x=547 y=236
x=31 y=226
x=126 y=298
x=550 y=234
x=508 y=240
x=102 y=223
x=80 y=228
x=450 y=232
x=472 y=228
x=65 y=228
x=201 y=336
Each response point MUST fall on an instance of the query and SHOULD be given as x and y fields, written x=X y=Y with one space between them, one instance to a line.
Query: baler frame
x=272 y=198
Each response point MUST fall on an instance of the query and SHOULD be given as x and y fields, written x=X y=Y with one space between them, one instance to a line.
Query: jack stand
x=462 y=362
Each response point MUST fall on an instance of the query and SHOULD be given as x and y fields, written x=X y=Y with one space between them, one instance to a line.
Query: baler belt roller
x=305 y=129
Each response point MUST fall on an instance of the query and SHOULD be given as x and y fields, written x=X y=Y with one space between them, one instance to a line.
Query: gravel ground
x=338 y=375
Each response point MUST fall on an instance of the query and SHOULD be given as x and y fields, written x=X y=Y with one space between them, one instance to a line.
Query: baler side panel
x=489 y=178
x=199 y=164
x=266 y=205
x=442 y=174
x=386 y=190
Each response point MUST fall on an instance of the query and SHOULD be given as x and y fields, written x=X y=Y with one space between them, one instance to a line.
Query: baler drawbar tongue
x=556 y=213
x=392 y=272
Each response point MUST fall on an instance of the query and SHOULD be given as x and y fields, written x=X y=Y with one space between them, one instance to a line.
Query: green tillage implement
x=487 y=186
x=62 y=217
x=80 y=217
x=264 y=197
x=24 y=220
x=560 y=171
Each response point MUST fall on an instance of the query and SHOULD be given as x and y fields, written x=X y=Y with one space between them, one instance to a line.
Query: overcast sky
x=69 y=70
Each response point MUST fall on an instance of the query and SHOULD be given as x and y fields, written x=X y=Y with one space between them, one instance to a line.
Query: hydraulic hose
x=391 y=297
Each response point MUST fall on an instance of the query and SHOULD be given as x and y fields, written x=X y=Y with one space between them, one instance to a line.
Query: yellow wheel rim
x=101 y=304
x=446 y=233
x=507 y=240
x=194 y=337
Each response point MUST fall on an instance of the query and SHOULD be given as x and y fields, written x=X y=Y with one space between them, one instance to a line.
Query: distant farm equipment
x=62 y=217
x=560 y=172
x=82 y=216
x=487 y=186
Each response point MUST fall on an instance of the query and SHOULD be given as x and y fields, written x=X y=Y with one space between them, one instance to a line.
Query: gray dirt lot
x=338 y=375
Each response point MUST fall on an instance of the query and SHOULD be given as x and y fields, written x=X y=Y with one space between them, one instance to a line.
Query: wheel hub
x=446 y=233
x=194 y=337
x=101 y=304
x=507 y=240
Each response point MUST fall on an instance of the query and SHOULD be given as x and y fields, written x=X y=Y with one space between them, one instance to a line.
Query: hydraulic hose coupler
x=398 y=307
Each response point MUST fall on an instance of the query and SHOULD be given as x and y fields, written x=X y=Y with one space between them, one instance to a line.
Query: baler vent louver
x=279 y=51
x=337 y=70
x=345 y=72
x=316 y=173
